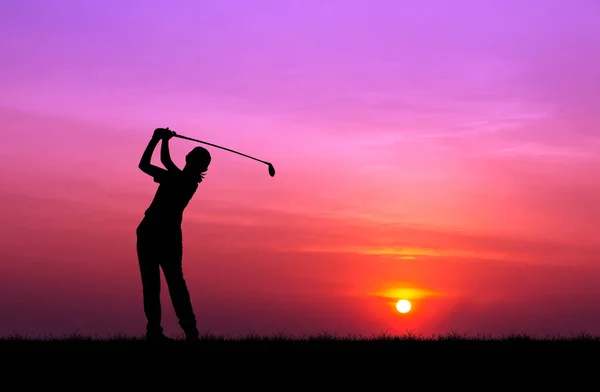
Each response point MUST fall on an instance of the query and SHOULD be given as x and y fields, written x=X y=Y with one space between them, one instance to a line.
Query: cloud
x=405 y=291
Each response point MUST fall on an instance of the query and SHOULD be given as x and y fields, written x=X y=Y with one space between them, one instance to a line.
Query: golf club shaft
x=214 y=145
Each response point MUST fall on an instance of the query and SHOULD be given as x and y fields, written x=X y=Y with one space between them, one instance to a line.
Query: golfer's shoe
x=158 y=338
x=192 y=338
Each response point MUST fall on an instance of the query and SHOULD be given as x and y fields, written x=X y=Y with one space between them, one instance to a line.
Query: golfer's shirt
x=175 y=191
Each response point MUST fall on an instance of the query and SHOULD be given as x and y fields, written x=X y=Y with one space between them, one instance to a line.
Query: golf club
x=271 y=168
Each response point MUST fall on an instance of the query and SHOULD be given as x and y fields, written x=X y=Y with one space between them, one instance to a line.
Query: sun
x=403 y=306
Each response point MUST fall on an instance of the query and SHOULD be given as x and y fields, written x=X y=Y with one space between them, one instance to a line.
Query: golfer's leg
x=150 y=273
x=180 y=296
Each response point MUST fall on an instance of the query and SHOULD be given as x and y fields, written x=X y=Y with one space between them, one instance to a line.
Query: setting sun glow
x=403 y=306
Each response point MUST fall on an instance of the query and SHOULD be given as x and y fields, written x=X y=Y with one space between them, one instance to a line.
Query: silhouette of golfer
x=159 y=235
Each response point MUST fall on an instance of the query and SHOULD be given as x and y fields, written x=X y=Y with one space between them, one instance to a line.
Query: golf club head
x=271 y=170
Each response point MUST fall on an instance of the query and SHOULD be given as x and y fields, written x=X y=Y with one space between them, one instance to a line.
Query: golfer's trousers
x=160 y=247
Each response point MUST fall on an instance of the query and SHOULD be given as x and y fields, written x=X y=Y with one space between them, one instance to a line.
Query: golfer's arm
x=145 y=164
x=165 y=156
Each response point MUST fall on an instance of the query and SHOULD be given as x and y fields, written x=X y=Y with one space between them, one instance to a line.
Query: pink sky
x=447 y=152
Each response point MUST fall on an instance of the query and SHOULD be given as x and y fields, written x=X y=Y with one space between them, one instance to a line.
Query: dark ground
x=512 y=361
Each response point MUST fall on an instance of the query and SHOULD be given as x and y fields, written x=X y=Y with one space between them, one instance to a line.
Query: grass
x=409 y=336
x=323 y=342
x=450 y=358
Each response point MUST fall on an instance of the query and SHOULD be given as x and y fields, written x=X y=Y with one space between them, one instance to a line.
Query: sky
x=441 y=152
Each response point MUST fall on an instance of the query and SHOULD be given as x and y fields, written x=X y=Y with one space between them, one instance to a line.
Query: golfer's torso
x=171 y=199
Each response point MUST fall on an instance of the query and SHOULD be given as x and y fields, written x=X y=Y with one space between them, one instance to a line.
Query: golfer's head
x=198 y=159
